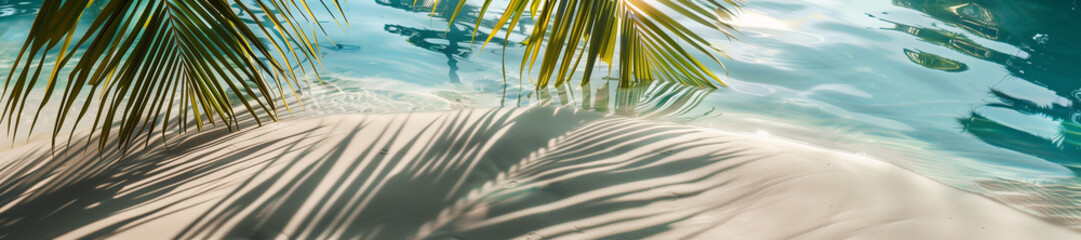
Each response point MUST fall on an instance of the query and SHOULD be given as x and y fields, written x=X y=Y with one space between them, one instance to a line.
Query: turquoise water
x=980 y=95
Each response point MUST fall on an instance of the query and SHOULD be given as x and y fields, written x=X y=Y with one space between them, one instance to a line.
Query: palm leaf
x=650 y=44
x=140 y=65
x=148 y=63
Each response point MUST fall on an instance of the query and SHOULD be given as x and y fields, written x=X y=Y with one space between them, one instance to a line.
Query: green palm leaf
x=650 y=44
x=140 y=64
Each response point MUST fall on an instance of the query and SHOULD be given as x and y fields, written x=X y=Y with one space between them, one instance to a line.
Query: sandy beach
x=527 y=173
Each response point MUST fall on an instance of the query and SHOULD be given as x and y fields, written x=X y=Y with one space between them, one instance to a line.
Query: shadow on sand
x=370 y=177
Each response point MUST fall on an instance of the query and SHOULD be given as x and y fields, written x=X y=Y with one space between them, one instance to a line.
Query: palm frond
x=148 y=63
x=141 y=65
x=639 y=36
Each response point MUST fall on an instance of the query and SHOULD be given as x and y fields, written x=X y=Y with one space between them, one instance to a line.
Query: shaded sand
x=536 y=173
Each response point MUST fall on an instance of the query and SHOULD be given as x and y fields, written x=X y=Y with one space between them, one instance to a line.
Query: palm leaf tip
x=135 y=65
x=641 y=37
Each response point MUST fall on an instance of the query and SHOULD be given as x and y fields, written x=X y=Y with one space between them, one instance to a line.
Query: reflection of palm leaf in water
x=1045 y=62
x=656 y=100
x=670 y=100
x=1063 y=151
x=933 y=61
x=466 y=15
x=1056 y=111
x=1069 y=139
x=457 y=39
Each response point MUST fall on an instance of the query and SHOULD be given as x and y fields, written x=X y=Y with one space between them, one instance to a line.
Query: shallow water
x=980 y=95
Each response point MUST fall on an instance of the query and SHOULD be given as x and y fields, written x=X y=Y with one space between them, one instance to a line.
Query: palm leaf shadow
x=159 y=176
x=362 y=177
x=83 y=186
x=608 y=169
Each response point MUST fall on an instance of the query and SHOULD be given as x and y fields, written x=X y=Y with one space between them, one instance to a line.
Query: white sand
x=488 y=174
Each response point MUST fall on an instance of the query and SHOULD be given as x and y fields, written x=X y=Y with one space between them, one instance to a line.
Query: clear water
x=981 y=95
